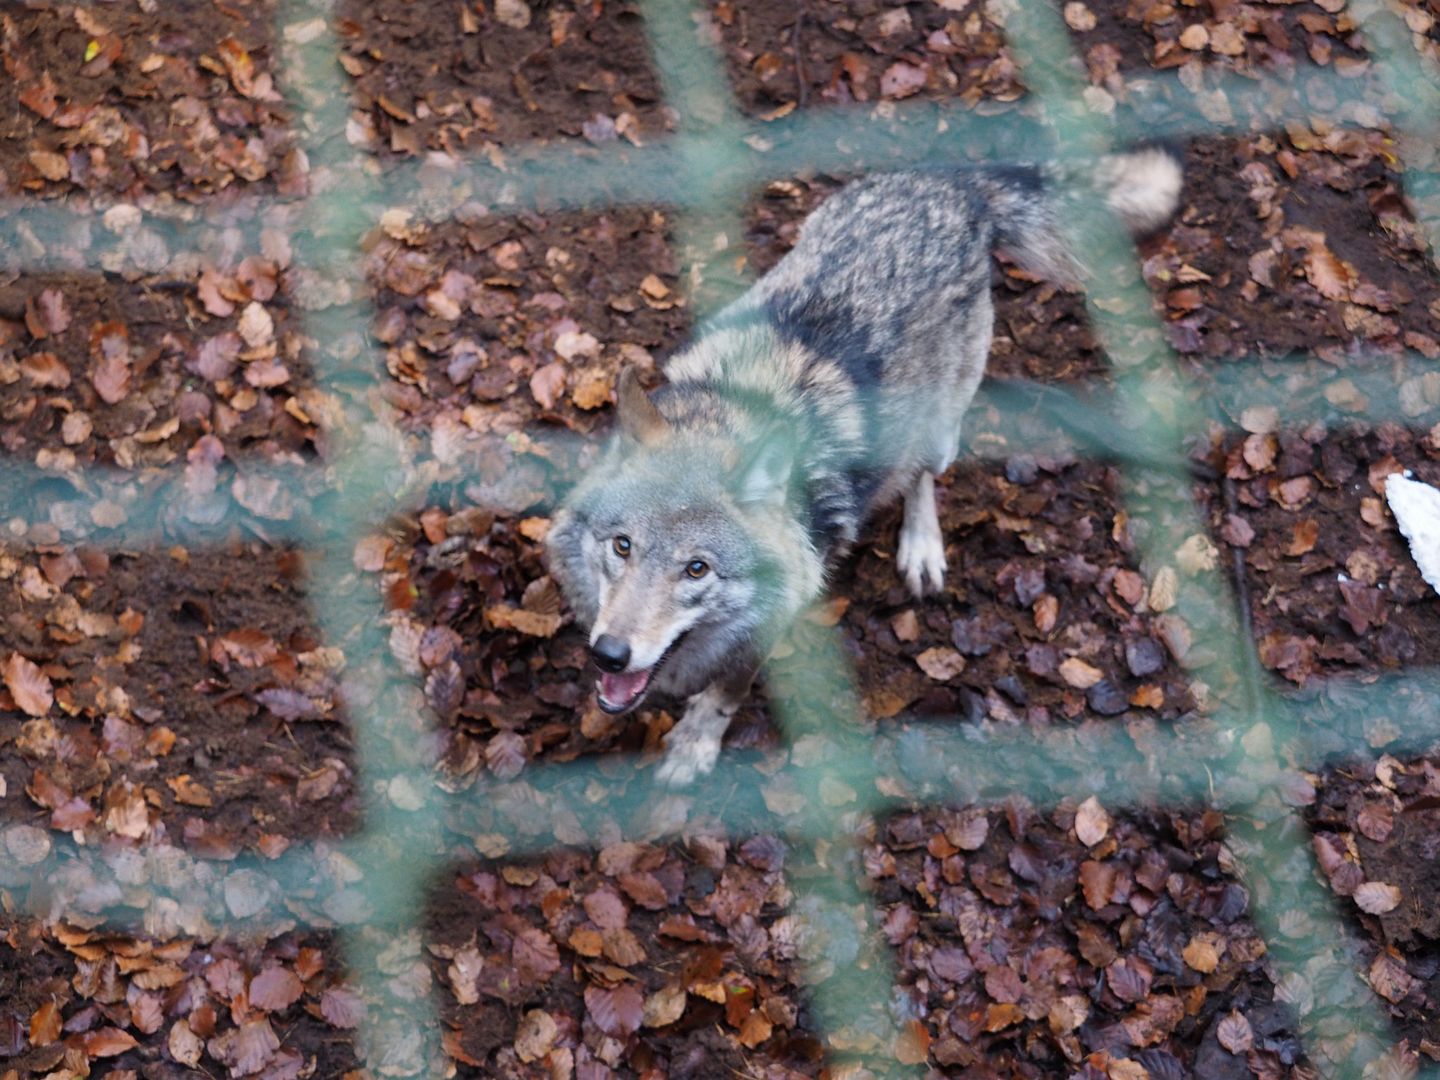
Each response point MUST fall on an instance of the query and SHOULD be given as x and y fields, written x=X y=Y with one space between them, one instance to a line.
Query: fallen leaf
x=1081 y=18
x=901 y=80
x=28 y=685
x=1201 y=954
x=1376 y=897
x=45 y=1024
x=1079 y=674
x=664 y=1007
x=941 y=663
x=107 y=1042
x=275 y=989
x=535 y=1036
x=513 y=13
x=1234 y=1033
x=185 y=1046
x=45 y=370
x=617 y=1011
x=1092 y=823
x=1390 y=978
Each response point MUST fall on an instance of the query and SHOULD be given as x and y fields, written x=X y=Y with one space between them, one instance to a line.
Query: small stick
x=800 y=83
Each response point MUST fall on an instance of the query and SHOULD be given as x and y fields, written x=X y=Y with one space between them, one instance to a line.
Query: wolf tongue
x=624 y=688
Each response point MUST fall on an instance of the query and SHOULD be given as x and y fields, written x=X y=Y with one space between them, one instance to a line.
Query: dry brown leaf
x=504 y=617
x=111 y=377
x=1330 y=274
x=1092 y=823
x=513 y=13
x=275 y=989
x=1390 y=978
x=664 y=1007
x=45 y=1024
x=28 y=685
x=941 y=663
x=45 y=370
x=535 y=1036
x=1376 y=897
x=1079 y=674
x=1304 y=537
x=1164 y=590
x=617 y=1011
x=1201 y=954
x=1079 y=17
x=901 y=80
x=1194 y=37
x=256 y=326
x=185 y=1046
x=755 y=1029
x=1235 y=1034
x=906 y=626
x=547 y=384
x=1046 y=611
x=1097 y=882
x=592 y=389
x=50 y=165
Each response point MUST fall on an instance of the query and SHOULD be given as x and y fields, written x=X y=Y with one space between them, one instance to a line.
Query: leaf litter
x=1109 y=920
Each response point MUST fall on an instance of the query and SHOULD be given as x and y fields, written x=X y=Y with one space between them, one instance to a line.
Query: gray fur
x=835 y=385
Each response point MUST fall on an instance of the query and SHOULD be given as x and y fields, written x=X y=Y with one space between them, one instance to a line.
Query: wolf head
x=681 y=550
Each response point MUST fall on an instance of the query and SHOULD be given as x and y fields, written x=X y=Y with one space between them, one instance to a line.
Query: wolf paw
x=920 y=558
x=687 y=758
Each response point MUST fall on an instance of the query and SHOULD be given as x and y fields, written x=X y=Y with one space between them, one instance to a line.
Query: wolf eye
x=696 y=569
x=621 y=546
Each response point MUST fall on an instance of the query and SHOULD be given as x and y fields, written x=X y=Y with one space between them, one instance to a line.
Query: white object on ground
x=1416 y=507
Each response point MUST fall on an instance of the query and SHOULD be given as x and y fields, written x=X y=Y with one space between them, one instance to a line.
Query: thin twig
x=800 y=82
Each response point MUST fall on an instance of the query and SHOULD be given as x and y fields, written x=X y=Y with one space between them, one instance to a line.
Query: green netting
x=1239 y=758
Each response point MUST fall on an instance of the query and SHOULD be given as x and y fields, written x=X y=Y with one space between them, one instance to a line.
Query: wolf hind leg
x=693 y=745
x=920 y=556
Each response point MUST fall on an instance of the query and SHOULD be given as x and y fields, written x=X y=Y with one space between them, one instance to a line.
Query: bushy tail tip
x=1142 y=186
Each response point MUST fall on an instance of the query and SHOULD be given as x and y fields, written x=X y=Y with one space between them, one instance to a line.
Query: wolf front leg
x=920 y=556
x=693 y=745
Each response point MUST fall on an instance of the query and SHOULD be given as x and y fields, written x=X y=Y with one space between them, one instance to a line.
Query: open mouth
x=621 y=692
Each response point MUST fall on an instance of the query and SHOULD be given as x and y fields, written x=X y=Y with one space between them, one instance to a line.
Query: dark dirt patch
x=1037 y=578
x=1379 y=824
x=699 y=935
x=780 y=55
x=1332 y=584
x=1258 y=238
x=194 y=693
x=514 y=327
x=99 y=981
x=506 y=321
x=113 y=99
x=1021 y=948
x=1143 y=34
x=187 y=372
x=460 y=79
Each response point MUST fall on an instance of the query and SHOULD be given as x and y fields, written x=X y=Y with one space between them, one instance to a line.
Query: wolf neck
x=746 y=373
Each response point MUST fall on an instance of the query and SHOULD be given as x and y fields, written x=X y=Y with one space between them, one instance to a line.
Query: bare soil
x=195 y=702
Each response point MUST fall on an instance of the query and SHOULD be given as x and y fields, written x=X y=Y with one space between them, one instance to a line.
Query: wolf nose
x=611 y=654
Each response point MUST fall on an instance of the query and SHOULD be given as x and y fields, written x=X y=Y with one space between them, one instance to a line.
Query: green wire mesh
x=1237 y=758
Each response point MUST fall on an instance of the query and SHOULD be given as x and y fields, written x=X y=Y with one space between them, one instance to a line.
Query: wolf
x=834 y=385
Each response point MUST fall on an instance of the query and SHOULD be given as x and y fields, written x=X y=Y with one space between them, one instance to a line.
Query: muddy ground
x=180 y=692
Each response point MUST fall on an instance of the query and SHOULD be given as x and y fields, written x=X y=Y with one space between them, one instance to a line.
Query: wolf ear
x=639 y=418
x=763 y=477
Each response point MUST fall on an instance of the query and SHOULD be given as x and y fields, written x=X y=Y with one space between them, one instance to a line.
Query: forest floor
x=180 y=694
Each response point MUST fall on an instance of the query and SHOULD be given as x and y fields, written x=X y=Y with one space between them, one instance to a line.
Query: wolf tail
x=1031 y=206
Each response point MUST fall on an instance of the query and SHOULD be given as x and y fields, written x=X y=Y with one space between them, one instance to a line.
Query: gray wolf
x=835 y=385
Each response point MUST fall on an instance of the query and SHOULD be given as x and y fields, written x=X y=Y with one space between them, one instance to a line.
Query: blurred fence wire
x=1236 y=758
